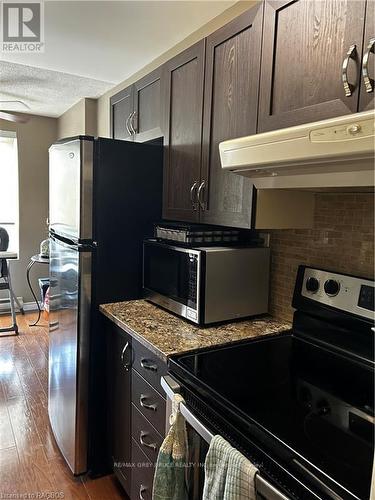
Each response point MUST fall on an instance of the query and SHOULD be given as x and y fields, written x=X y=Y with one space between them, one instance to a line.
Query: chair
x=6 y=282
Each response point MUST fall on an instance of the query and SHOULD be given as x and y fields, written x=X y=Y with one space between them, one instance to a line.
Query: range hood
x=334 y=153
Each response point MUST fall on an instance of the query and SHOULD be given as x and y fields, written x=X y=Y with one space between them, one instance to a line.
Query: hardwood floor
x=30 y=461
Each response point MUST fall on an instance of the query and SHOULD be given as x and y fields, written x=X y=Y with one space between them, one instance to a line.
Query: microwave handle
x=171 y=387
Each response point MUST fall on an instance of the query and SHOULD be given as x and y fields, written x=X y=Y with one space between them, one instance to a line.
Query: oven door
x=199 y=438
x=171 y=278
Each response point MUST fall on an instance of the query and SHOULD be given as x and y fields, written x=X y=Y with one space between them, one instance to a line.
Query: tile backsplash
x=342 y=240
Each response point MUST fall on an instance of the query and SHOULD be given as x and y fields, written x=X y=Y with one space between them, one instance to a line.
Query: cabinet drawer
x=146 y=436
x=142 y=474
x=148 y=365
x=124 y=478
x=149 y=402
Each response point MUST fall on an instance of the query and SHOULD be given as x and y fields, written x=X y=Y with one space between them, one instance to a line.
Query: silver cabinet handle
x=134 y=122
x=133 y=132
x=193 y=195
x=148 y=366
x=142 y=400
x=348 y=87
x=127 y=125
x=366 y=78
x=142 y=489
x=142 y=436
x=200 y=199
x=125 y=365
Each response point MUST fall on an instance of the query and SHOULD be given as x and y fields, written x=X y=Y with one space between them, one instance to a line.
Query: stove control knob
x=332 y=287
x=312 y=284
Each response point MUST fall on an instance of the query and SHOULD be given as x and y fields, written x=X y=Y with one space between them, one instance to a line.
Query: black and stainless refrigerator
x=104 y=195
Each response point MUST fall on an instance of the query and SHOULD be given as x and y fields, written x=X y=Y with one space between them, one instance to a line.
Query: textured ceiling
x=91 y=43
x=45 y=92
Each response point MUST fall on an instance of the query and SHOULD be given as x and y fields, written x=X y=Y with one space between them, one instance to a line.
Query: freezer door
x=70 y=292
x=70 y=189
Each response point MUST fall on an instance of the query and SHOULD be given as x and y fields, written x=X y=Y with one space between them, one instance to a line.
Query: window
x=9 y=187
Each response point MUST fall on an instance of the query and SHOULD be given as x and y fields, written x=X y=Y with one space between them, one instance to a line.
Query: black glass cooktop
x=319 y=404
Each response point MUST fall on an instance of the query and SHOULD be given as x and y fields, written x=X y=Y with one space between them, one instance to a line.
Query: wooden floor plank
x=6 y=432
x=30 y=461
x=11 y=474
x=104 y=488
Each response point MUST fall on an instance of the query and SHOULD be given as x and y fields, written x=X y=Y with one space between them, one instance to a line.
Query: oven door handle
x=171 y=387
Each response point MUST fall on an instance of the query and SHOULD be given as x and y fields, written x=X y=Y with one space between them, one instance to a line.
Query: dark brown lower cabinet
x=136 y=411
x=143 y=474
x=119 y=407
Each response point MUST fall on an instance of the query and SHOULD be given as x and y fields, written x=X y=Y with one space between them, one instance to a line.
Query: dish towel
x=169 y=479
x=228 y=474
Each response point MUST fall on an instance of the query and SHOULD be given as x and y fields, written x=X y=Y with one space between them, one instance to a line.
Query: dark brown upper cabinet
x=136 y=112
x=183 y=100
x=306 y=47
x=230 y=110
x=366 y=99
x=147 y=118
x=121 y=111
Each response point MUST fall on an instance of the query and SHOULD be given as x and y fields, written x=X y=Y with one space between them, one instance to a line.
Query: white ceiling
x=100 y=43
x=45 y=92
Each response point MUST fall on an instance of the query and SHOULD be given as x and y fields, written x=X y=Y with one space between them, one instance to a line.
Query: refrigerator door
x=70 y=189
x=70 y=292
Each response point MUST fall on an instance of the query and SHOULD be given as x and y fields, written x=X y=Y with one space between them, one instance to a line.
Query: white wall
x=213 y=25
x=80 y=119
x=34 y=139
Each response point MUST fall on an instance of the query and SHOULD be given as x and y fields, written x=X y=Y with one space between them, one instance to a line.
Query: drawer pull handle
x=348 y=87
x=142 y=400
x=148 y=366
x=142 y=436
x=125 y=365
x=142 y=489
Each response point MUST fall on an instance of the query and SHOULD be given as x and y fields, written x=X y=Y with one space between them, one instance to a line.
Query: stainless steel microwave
x=206 y=285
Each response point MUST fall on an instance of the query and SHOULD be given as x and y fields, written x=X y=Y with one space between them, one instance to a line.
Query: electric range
x=300 y=405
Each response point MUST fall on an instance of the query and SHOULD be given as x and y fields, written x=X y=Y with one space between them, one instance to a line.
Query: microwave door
x=70 y=189
x=171 y=278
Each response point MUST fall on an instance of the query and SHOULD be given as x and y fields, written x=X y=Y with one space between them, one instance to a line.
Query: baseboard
x=31 y=306
x=27 y=306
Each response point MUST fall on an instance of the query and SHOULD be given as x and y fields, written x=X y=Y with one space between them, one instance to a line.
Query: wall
x=34 y=139
x=342 y=239
x=213 y=25
x=80 y=119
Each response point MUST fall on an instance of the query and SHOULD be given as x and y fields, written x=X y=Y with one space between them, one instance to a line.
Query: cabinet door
x=305 y=43
x=119 y=383
x=183 y=98
x=230 y=111
x=147 y=120
x=121 y=114
x=366 y=99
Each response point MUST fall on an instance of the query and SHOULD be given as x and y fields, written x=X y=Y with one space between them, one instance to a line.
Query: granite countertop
x=166 y=334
